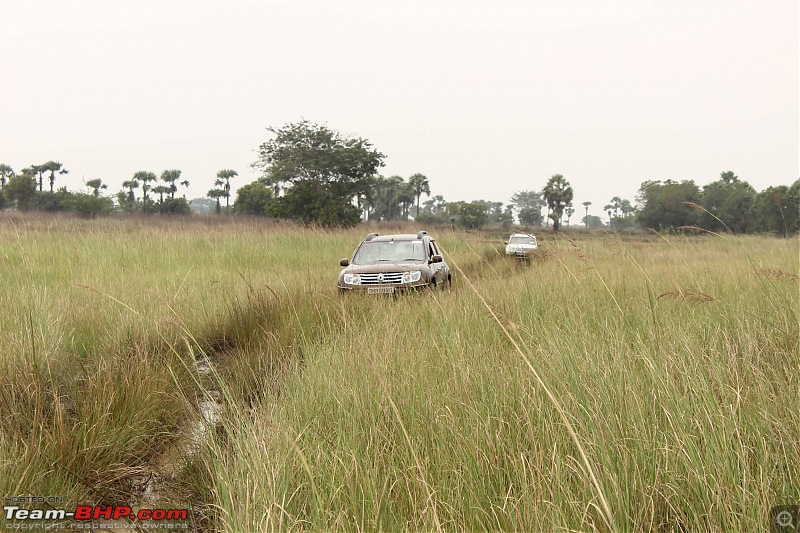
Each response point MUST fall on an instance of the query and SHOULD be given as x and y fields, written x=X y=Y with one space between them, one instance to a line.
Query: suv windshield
x=389 y=251
x=522 y=240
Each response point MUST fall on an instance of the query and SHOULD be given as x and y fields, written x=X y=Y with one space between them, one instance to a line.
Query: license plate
x=380 y=290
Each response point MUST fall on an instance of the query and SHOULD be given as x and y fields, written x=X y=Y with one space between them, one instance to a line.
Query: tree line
x=313 y=174
x=145 y=192
x=25 y=191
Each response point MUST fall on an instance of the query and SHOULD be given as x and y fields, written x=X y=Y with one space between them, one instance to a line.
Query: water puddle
x=148 y=487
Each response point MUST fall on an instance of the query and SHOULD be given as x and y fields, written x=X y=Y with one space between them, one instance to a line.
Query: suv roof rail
x=421 y=234
x=371 y=236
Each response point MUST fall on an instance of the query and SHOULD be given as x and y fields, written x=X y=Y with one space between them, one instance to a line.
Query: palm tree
x=161 y=190
x=36 y=170
x=390 y=196
x=569 y=211
x=608 y=208
x=145 y=177
x=185 y=183
x=558 y=194
x=216 y=194
x=170 y=176
x=96 y=185
x=406 y=198
x=586 y=216
x=616 y=202
x=131 y=185
x=626 y=208
x=53 y=167
x=6 y=173
x=226 y=175
x=419 y=184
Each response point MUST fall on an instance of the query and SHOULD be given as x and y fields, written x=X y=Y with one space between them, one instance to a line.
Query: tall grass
x=674 y=361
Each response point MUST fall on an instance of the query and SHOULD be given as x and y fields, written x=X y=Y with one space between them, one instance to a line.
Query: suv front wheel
x=443 y=286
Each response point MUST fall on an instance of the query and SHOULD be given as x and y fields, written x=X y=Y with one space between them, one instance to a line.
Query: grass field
x=628 y=383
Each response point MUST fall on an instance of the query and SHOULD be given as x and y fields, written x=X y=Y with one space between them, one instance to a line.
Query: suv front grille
x=384 y=278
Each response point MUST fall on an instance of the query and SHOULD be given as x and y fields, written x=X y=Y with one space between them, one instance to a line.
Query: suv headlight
x=411 y=277
x=352 y=279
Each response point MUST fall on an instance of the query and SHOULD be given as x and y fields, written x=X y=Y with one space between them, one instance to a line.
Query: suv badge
x=380 y=278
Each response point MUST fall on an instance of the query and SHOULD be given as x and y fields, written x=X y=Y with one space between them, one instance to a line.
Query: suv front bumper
x=384 y=288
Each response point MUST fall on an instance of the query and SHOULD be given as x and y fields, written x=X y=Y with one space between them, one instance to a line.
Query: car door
x=440 y=269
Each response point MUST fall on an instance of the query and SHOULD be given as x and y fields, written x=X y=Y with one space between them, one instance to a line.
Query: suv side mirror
x=344 y=262
x=505 y=242
x=436 y=259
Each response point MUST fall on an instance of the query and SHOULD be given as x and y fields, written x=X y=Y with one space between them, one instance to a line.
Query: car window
x=522 y=239
x=389 y=251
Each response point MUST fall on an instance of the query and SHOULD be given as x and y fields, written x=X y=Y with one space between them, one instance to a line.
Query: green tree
x=592 y=221
x=382 y=197
x=52 y=167
x=21 y=191
x=224 y=180
x=609 y=209
x=253 y=199
x=434 y=211
x=170 y=177
x=627 y=208
x=128 y=199
x=96 y=184
x=144 y=178
x=663 y=205
x=38 y=172
x=161 y=190
x=558 y=195
x=615 y=204
x=6 y=173
x=406 y=198
x=586 y=214
x=728 y=204
x=217 y=193
x=529 y=206
x=174 y=206
x=569 y=211
x=389 y=192
x=777 y=210
x=53 y=201
x=495 y=214
x=322 y=170
x=419 y=184
x=471 y=215
x=304 y=203
x=90 y=205
x=435 y=205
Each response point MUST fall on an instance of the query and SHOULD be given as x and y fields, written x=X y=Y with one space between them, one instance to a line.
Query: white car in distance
x=521 y=245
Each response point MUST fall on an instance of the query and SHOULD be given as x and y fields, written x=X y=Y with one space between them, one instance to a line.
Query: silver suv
x=521 y=245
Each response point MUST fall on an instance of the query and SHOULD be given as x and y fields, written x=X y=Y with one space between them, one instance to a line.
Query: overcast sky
x=484 y=98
